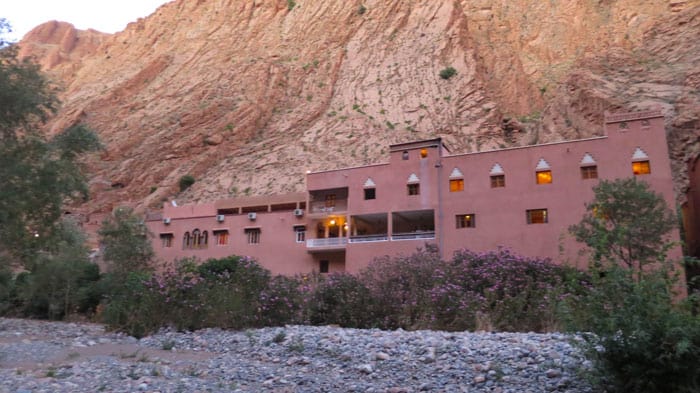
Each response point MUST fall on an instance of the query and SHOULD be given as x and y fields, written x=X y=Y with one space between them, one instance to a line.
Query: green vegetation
x=361 y=9
x=186 y=182
x=291 y=4
x=447 y=73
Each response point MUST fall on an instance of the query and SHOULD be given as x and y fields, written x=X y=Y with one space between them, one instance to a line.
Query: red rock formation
x=246 y=95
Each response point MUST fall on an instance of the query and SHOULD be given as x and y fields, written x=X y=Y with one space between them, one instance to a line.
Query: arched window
x=186 y=241
x=204 y=239
x=195 y=238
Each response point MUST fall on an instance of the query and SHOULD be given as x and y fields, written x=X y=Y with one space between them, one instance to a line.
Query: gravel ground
x=39 y=356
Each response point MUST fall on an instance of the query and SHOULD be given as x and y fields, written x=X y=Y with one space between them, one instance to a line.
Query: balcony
x=324 y=244
x=323 y=207
x=369 y=238
x=414 y=235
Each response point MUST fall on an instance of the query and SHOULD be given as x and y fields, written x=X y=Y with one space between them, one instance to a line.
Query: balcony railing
x=327 y=242
x=323 y=206
x=369 y=238
x=413 y=235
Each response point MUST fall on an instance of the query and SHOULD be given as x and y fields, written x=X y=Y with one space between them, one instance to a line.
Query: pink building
x=524 y=198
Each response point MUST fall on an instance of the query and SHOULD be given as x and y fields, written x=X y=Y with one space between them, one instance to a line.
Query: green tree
x=126 y=244
x=626 y=223
x=38 y=176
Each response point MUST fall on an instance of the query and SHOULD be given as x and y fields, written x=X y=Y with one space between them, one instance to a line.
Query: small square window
x=456 y=185
x=589 y=172
x=641 y=168
x=498 y=181
x=324 y=266
x=544 y=177
x=537 y=216
x=370 y=193
x=466 y=221
x=221 y=237
x=423 y=153
x=414 y=189
x=404 y=155
x=253 y=235
x=646 y=123
x=623 y=125
x=166 y=240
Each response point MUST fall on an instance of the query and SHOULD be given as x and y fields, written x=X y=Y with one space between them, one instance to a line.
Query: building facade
x=524 y=198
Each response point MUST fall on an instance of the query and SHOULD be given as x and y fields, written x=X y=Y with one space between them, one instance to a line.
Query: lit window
x=423 y=153
x=589 y=172
x=370 y=193
x=456 y=185
x=413 y=189
x=166 y=240
x=253 y=235
x=544 y=177
x=466 y=221
x=221 y=237
x=300 y=233
x=537 y=216
x=641 y=168
x=498 y=181
x=324 y=266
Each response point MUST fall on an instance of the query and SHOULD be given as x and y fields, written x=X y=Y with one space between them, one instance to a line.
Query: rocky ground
x=38 y=356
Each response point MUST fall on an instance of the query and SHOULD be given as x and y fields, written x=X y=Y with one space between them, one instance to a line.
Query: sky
x=108 y=16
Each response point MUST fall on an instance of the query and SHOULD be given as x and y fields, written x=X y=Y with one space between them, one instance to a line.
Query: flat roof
x=264 y=200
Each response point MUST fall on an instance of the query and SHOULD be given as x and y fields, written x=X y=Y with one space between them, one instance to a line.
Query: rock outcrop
x=248 y=95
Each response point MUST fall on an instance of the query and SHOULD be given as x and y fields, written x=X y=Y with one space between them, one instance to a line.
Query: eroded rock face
x=248 y=95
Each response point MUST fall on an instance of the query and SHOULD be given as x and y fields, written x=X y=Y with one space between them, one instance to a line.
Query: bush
x=341 y=299
x=185 y=182
x=641 y=341
x=447 y=73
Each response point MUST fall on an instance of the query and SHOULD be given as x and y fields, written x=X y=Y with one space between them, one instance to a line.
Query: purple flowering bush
x=341 y=299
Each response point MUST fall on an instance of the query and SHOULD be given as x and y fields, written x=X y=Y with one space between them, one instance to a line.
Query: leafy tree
x=626 y=222
x=126 y=243
x=38 y=175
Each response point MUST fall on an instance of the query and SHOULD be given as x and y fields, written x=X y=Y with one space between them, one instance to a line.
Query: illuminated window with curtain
x=543 y=172
x=456 y=181
x=221 y=237
x=640 y=162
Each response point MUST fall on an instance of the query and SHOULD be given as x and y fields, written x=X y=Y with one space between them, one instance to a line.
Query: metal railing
x=327 y=242
x=369 y=238
x=340 y=205
x=413 y=235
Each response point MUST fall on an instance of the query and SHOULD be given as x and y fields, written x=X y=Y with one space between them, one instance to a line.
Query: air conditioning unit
x=220 y=217
x=298 y=212
x=166 y=221
x=252 y=216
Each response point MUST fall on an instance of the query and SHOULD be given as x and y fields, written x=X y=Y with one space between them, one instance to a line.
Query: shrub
x=186 y=182
x=361 y=9
x=447 y=73
x=341 y=299
x=282 y=302
x=291 y=4
x=641 y=341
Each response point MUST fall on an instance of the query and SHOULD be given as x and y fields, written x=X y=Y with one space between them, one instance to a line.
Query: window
x=544 y=177
x=370 y=193
x=404 y=155
x=166 y=240
x=300 y=234
x=466 y=221
x=456 y=185
x=641 y=168
x=186 y=241
x=330 y=200
x=253 y=235
x=646 y=123
x=423 y=153
x=537 y=216
x=498 y=181
x=413 y=189
x=324 y=266
x=623 y=125
x=199 y=239
x=589 y=172
x=221 y=237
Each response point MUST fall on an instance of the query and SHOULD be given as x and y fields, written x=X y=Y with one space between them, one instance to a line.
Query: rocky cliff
x=246 y=95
